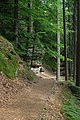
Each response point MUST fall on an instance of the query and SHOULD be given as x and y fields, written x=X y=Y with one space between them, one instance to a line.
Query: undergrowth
x=8 y=58
x=71 y=105
x=10 y=63
x=25 y=72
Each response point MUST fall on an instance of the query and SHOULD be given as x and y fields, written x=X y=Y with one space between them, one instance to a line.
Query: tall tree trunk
x=69 y=42
x=30 y=29
x=65 y=42
x=58 y=46
x=16 y=22
x=78 y=45
x=33 y=37
x=75 y=40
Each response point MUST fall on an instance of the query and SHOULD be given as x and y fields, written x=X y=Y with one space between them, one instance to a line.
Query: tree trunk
x=30 y=29
x=78 y=45
x=16 y=22
x=75 y=40
x=58 y=46
x=65 y=42
x=69 y=52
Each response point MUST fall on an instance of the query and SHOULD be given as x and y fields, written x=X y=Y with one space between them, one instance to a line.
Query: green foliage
x=21 y=50
x=71 y=111
x=8 y=59
x=30 y=78
x=30 y=75
x=71 y=105
x=25 y=72
x=50 y=61
x=44 y=17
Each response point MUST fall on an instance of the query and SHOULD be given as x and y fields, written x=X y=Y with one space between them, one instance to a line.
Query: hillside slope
x=8 y=58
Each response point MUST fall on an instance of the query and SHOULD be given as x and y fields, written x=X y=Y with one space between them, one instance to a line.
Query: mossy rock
x=8 y=58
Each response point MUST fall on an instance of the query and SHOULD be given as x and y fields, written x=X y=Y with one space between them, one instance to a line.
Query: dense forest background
x=43 y=32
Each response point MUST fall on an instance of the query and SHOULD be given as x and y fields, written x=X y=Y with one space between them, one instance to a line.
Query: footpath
x=35 y=101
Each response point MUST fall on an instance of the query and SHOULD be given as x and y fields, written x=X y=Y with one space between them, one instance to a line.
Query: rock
x=42 y=69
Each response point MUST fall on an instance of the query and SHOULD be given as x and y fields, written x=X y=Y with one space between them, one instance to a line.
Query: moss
x=8 y=58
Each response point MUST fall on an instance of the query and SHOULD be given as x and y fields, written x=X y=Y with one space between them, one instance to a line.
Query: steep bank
x=8 y=58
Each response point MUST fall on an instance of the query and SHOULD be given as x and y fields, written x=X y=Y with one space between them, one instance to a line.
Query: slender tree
x=78 y=45
x=74 y=39
x=65 y=42
x=69 y=36
x=58 y=45
x=30 y=29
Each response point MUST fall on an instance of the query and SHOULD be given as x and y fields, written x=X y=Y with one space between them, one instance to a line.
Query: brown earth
x=23 y=100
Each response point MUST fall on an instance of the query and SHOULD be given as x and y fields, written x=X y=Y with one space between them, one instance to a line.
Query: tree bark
x=78 y=46
x=69 y=42
x=75 y=40
x=30 y=29
x=65 y=42
x=58 y=46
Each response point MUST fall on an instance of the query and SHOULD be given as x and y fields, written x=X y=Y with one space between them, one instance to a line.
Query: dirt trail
x=29 y=100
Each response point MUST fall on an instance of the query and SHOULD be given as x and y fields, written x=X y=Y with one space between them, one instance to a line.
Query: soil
x=24 y=100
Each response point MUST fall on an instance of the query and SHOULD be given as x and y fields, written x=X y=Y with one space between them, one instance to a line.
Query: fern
x=71 y=111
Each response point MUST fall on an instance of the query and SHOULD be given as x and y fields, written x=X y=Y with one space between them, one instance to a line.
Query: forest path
x=30 y=100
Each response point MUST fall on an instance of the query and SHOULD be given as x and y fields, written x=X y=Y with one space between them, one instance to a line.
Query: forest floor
x=23 y=100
